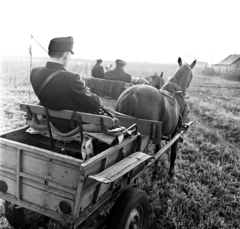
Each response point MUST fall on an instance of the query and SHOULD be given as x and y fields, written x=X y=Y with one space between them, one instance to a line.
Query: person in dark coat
x=118 y=73
x=97 y=71
x=65 y=91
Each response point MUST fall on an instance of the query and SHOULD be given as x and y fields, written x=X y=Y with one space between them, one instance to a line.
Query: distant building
x=202 y=63
x=230 y=65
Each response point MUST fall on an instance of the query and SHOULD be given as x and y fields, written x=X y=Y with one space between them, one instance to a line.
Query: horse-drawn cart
x=43 y=177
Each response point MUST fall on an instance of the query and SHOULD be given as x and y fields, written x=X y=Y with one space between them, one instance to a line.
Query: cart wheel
x=130 y=211
x=22 y=217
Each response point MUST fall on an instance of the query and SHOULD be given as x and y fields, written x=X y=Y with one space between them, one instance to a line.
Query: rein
x=117 y=113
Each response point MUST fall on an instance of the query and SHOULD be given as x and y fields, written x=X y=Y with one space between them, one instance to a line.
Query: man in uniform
x=118 y=73
x=97 y=71
x=64 y=91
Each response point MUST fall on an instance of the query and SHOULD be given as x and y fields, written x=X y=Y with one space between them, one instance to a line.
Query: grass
x=205 y=192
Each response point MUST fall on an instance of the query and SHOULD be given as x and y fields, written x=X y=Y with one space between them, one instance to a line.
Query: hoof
x=171 y=173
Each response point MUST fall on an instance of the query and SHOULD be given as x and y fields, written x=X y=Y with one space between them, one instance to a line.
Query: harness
x=172 y=95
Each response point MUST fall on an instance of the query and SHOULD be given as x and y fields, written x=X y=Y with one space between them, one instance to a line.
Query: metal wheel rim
x=135 y=219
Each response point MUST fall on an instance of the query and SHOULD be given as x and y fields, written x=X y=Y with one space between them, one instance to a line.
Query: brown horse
x=155 y=80
x=166 y=105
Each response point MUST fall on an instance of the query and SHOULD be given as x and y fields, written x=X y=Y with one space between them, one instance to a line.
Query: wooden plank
x=8 y=169
x=88 y=195
x=99 y=186
x=59 y=173
x=145 y=140
x=144 y=126
x=66 y=114
x=79 y=197
x=121 y=168
x=37 y=183
x=41 y=180
x=26 y=204
x=35 y=150
x=106 y=153
x=102 y=91
x=62 y=173
x=16 y=135
x=57 y=162
x=36 y=196
x=18 y=176
x=8 y=156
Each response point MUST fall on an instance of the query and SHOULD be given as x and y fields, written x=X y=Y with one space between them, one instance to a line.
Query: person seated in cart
x=97 y=71
x=118 y=73
x=65 y=90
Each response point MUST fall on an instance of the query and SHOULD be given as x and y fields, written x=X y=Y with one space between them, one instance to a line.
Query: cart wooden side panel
x=40 y=179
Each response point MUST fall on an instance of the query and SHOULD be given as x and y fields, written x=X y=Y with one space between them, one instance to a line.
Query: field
x=205 y=192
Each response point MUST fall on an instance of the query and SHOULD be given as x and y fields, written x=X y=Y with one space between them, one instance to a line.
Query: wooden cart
x=37 y=179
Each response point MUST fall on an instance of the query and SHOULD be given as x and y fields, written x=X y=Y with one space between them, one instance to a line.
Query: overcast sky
x=156 y=31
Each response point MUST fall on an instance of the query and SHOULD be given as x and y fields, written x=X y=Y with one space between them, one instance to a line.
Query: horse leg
x=172 y=159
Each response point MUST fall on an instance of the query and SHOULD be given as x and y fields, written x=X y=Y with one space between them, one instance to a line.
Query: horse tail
x=127 y=103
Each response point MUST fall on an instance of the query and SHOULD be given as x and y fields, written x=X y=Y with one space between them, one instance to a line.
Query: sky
x=157 y=31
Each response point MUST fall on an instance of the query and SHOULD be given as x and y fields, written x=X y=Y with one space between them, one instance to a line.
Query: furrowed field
x=205 y=192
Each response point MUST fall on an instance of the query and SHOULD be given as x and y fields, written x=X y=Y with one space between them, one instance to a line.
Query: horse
x=155 y=80
x=166 y=105
x=108 y=67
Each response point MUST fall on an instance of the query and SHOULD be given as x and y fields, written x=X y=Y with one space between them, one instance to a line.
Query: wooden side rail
x=107 y=88
x=66 y=114
x=150 y=128
x=121 y=168
x=145 y=127
x=88 y=80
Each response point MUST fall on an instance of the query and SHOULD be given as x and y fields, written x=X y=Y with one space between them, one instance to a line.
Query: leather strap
x=46 y=81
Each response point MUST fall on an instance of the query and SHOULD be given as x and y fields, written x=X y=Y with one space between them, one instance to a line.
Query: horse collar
x=175 y=85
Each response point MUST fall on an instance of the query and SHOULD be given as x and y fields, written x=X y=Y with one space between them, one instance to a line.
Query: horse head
x=183 y=76
x=157 y=80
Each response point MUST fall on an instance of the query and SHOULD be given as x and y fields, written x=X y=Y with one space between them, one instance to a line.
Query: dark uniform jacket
x=118 y=74
x=97 y=71
x=65 y=91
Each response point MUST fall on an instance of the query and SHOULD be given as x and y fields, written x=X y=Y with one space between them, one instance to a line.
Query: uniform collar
x=55 y=65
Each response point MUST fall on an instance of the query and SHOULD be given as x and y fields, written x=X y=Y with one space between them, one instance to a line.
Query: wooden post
x=18 y=174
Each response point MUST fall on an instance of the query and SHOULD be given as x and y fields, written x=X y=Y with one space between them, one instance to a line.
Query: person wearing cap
x=118 y=73
x=65 y=91
x=97 y=70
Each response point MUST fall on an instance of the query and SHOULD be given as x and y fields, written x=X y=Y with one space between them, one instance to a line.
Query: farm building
x=230 y=65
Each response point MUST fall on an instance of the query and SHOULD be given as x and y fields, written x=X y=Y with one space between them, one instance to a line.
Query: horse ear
x=193 y=64
x=161 y=75
x=110 y=65
x=179 y=61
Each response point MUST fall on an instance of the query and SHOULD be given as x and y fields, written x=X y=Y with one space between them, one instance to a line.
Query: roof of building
x=229 y=60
